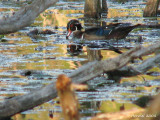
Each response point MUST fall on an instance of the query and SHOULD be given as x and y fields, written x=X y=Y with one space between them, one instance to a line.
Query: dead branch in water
x=24 y=102
x=128 y=71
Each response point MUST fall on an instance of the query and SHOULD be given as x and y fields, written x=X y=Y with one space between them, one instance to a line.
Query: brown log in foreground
x=68 y=100
x=153 y=111
x=24 y=102
x=151 y=8
x=25 y=16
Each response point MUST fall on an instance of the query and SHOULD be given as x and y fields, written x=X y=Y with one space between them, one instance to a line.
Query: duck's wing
x=102 y=31
x=99 y=31
x=114 y=31
x=121 y=31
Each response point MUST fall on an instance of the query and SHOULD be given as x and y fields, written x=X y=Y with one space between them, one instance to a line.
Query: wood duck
x=112 y=31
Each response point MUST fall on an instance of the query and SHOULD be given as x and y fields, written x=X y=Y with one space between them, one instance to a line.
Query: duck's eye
x=71 y=25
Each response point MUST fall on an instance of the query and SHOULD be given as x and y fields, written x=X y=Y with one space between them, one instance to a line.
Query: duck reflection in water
x=74 y=50
x=92 y=54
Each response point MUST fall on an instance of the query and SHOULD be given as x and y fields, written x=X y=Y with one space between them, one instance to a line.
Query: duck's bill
x=68 y=34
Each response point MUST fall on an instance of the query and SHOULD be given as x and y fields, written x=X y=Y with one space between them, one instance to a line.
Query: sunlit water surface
x=30 y=62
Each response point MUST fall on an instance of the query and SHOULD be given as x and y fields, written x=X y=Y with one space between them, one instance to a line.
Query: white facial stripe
x=69 y=25
x=110 y=32
x=76 y=28
x=82 y=36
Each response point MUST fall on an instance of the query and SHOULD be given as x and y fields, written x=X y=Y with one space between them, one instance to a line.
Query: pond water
x=30 y=62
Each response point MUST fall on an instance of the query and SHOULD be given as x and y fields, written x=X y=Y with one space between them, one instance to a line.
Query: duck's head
x=73 y=25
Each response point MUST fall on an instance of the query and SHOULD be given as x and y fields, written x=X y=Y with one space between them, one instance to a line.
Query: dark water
x=30 y=62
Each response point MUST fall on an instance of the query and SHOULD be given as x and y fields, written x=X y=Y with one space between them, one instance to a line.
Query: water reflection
x=74 y=50
x=29 y=62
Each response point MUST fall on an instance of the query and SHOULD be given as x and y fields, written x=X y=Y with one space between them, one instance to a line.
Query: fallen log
x=25 y=16
x=25 y=102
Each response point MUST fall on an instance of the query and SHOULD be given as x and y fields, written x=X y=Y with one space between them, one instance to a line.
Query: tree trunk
x=25 y=16
x=94 y=8
x=94 y=55
x=104 y=6
x=151 y=8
